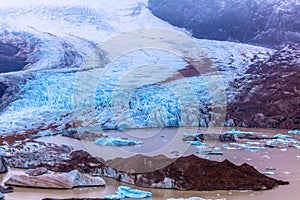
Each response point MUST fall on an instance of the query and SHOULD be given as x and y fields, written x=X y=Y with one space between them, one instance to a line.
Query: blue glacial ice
x=268 y=173
x=281 y=136
x=111 y=141
x=295 y=132
x=191 y=134
x=44 y=133
x=197 y=143
x=237 y=132
x=128 y=192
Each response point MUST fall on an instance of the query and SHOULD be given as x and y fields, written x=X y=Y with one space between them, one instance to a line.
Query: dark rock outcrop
x=3 y=167
x=211 y=136
x=9 y=60
x=259 y=22
x=194 y=173
x=71 y=134
x=82 y=135
x=254 y=137
x=270 y=97
x=3 y=88
x=6 y=189
x=139 y=163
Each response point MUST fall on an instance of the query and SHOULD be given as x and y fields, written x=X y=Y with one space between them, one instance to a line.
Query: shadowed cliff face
x=3 y=88
x=271 y=96
x=9 y=60
x=260 y=22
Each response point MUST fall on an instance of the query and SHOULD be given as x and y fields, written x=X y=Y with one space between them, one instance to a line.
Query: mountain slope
x=260 y=22
x=270 y=97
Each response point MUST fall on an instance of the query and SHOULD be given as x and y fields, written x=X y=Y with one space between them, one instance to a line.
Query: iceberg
x=198 y=143
x=269 y=173
x=191 y=135
x=281 y=136
x=128 y=192
x=111 y=141
x=254 y=148
x=44 y=133
x=294 y=132
x=238 y=132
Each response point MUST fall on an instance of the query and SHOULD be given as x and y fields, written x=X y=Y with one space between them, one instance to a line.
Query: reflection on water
x=287 y=164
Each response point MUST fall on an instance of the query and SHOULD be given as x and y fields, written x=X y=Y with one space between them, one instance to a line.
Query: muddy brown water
x=169 y=142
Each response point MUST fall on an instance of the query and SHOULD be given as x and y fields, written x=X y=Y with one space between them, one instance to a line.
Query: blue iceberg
x=128 y=192
x=44 y=133
x=238 y=132
x=198 y=143
x=111 y=141
x=254 y=148
x=294 y=132
x=191 y=134
x=281 y=136
x=268 y=173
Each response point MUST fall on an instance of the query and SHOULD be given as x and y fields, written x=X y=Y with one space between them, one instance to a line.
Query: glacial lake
x=169 y=142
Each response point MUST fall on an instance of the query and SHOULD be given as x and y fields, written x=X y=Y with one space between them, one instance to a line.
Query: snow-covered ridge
x=58 y=37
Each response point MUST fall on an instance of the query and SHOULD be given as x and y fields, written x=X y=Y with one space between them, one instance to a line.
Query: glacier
x=58 y=38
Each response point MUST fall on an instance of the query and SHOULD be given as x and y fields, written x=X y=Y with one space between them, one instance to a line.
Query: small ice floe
x=276 y=142
x=294 y=132
x=248 y=159
x=191 y=198
x=197 y=143
x=297 y=146
x=282 y=142
x=271 y=168
x=283 y=149
x=217 y=148
x=254 y=148
x=281 y=136
x=44 y=133
x=266 y=157
x=190 y=135
x=230 y=148
x=128 y=192
x=1 y=195
x=253 y=143
x=249 y=147
x=111 y=141
x=269 y=173
x=238 y=132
